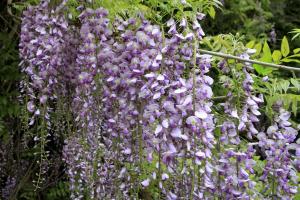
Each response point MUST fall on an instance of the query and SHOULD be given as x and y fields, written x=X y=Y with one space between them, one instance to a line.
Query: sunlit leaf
x=285 y=49
x=296 y=50
x=258 y=48
x=212 y=12
x=276 y=56
x=250 y=44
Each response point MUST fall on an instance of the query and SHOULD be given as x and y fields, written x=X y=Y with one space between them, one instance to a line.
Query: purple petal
x=30 y=106
x=176 y=133
x=201 y=114
x=165 y=123
x=158 y=129
x=146 y=182
x=157 y=95
x=164 y=176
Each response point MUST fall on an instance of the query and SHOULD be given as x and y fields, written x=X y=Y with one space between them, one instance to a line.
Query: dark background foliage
x=9 y=71
x=253 y=18
x=17 y=157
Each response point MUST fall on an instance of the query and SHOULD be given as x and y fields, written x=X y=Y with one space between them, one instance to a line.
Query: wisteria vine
x=141 y=95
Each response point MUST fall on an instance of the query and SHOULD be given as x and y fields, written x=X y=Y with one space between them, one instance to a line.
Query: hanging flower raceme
x=184 y=117
x=200 y=125
x=94 y=33
x=47 y=62
x=250 y=111
x=163 y=121
x=235 y=165
x=44 y=36
x=279 y=173
x=126 y=65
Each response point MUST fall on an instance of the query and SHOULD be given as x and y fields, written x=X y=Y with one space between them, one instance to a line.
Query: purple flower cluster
x=139 y=97
x=47 y=49
x=235 y=166
x=45 y=39
x=279 y=168
x=128 y=64
x=82 y=153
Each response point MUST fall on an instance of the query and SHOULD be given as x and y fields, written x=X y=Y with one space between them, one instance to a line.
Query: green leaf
x=262 y=70
x=285 y=85
x=293 y=56
x=250 y=44
x=277 y=87
x=290 y=60
x=258 y=47
x=296 y=50
x=212 y=12
x=286 y=102
x=207 y=42
x=276 y=56
x=267 y=51
x=267 y=57
x=295 y=83
x=295 y=36
x=285 y=49
x=217 y=46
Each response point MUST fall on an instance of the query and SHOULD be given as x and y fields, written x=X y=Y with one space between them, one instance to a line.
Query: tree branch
x=223 y=55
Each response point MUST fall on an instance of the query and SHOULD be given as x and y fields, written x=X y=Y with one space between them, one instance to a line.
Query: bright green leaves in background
x=264 y=54
x=212 y=12
x=280 y=89
x=286 y=90
x=277 y=88
x=285 y=49
x=276 y=55
x=266 y=57
x=296 y=31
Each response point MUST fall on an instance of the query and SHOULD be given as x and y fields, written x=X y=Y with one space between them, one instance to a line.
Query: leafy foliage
x=9 y=73
x=296 y=31
x=41 y=144
x=250 y=18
